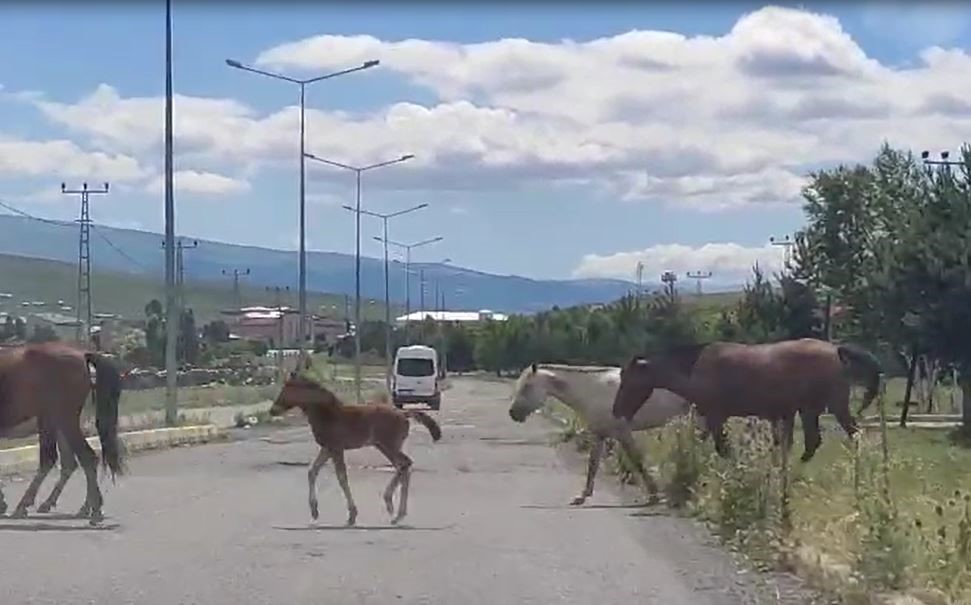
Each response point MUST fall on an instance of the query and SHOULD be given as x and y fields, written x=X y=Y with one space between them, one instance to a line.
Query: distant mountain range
x=140 y=252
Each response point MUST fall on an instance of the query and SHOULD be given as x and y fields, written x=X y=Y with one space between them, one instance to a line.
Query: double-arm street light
x=302 y=83
x=408 y=248
x=944 y=161
x=387 y=289
x=357 y=254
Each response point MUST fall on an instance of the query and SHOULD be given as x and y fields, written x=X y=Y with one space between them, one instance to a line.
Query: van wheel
x=435 y=403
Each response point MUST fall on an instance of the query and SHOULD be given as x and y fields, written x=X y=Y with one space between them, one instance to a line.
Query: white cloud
x=62 y=159
x=710 y=122
x=202 y=183
x=729 y=263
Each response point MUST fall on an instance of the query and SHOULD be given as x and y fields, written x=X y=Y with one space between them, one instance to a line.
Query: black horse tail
x=107 y=393
x=855 y=356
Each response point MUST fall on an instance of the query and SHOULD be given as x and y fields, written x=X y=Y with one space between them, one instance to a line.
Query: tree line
x=883 y=260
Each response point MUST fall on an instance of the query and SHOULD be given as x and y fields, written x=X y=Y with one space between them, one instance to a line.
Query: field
x=31 y=279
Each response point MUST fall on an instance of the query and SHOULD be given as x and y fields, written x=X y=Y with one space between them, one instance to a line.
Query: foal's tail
x=428 y=421
x=855 y=356
x=107 y=393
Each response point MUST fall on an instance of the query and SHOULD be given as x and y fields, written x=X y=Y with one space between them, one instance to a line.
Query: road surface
x=488 y=524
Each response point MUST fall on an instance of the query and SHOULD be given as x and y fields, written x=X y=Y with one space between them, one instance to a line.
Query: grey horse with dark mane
x=771 y=381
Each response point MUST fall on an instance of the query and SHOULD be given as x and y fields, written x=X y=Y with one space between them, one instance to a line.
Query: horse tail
x=427 y=421
x=855 y=356
x=107 y=394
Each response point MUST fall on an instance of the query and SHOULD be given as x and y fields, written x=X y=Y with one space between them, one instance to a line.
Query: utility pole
x=669 y=278
x=640 y=279
x=180 y=247
x=786 y=244
x=236 y=273
x=699 y=276
x=279 y=307
x=171 y=310
x=84 y=262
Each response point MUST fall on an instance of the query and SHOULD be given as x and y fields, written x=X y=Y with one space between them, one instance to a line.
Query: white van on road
x=416 y=376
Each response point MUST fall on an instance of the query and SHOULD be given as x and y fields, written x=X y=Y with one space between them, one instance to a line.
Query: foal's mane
x=330 y=398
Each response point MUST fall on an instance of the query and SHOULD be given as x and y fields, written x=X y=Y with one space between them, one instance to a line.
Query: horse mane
x=307 y=382
x=682 y=357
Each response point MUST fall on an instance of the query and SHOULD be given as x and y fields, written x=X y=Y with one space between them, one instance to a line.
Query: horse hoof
x=314 y=511
x=96 y=518
x=83 y=513
x=19 y=513
x=578 y=501
x=397 y=519
x=45 y=507
x=352 y=518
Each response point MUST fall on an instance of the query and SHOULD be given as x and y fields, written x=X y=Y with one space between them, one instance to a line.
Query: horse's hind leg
x=89 y=462
x=340 y=467
x=47 y=440
x=596 y=452
x=403 y=464
x=69 y=464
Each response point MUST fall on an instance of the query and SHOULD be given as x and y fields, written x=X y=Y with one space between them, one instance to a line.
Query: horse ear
x=533 y=367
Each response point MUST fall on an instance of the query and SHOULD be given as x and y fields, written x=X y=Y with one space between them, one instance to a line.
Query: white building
x=452 y=316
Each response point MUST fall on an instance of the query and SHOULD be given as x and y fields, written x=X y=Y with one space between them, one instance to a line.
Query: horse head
x=638 y=379
x=530 y=393
x=299 y=392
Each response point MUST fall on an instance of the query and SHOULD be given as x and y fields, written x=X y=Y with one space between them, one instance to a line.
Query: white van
x=416 y=376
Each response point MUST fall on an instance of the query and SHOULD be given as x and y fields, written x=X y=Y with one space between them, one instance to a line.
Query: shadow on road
x=360 y=528
x=583 y=506
x=41 y=526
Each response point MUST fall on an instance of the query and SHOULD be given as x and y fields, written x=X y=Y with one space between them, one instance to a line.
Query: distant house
x=63 y=326
x=452 y=316
x=278 y=327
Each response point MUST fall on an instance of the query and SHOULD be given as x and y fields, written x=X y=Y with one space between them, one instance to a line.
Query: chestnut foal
x=337 y=427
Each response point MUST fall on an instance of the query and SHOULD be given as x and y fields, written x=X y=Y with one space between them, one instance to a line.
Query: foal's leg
x=810 y=430
x=626 y=440
x=341 y=469
x=69 y=464
x=596 y=452
x=47 y=440
x=403 y=463
x=315 y=467
x=716 y=427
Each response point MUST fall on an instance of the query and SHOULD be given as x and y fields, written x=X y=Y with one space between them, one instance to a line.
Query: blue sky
x=690 y=165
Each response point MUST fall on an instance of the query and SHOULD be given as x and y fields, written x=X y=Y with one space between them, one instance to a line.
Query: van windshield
x=410 y=366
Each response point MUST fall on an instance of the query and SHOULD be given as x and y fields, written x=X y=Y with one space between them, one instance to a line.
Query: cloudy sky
x=550 y=141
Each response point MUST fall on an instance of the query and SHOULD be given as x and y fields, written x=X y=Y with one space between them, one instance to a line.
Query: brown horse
x=771 y=381
x=338 y=427
x=49 y=383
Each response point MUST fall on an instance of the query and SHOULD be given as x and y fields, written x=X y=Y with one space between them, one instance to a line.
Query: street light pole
x=408 y=248
x=387 y=282
x=302 y=83
x=357 y=254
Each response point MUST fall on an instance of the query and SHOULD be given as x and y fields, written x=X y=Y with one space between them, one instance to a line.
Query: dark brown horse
x=771 y=381
x=49 y=383
x=338 y=427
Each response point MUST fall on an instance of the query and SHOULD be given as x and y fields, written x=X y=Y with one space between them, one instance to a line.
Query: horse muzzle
x=517 y=415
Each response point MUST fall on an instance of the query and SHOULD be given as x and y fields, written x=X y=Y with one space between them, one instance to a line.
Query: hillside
x=141 y=254
x=32 y=279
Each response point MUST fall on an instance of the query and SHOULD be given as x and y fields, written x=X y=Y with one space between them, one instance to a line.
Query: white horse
x=590 y=392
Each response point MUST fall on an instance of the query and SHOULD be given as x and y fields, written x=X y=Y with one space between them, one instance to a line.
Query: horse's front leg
x=626 y=440
x=593 y=463
x=716 y=427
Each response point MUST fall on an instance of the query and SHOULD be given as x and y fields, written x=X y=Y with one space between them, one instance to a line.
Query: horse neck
x=585 y=393
x=680 y=384
x=323 y=409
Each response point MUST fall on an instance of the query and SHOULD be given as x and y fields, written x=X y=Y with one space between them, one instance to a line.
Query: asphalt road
x=488 y=523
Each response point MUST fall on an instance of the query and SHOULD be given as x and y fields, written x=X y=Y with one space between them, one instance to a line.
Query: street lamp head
x=925 y=154
x=346 y=207
x=234 y=63
x=376 y=238
x=407 y=156
x=371 y=63
x=945 y=154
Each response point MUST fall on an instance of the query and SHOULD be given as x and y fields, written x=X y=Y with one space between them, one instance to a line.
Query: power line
x=15 y=210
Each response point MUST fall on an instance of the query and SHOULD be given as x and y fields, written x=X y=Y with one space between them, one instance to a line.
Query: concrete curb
x=25 y=458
